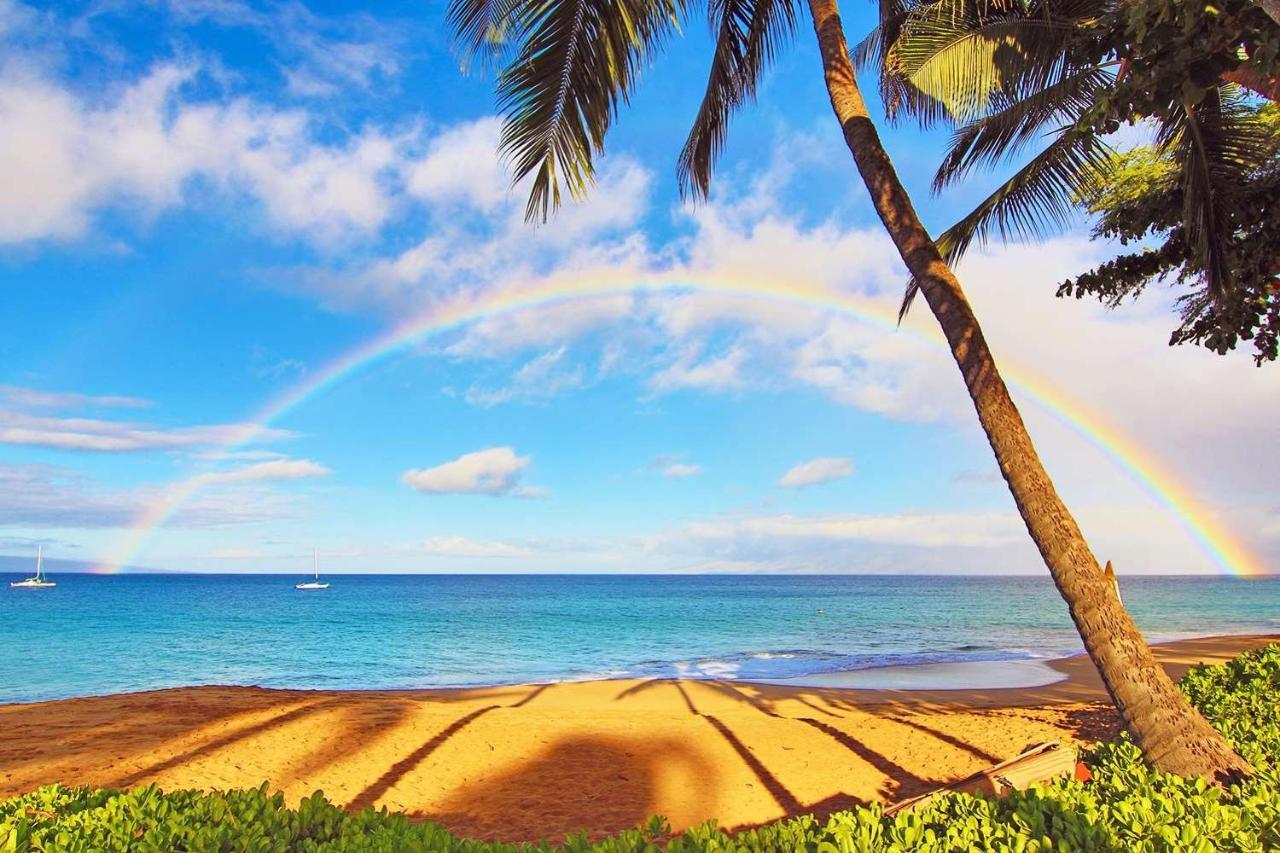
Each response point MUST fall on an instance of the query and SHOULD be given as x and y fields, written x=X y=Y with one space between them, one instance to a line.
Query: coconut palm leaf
x=750 y=33
x=559 y=96
x=960 y=55
x=486 y=30
x=1037 y=200
x=1216 y=144
x=1005 y=132
x=962 y=65
x=876 y=51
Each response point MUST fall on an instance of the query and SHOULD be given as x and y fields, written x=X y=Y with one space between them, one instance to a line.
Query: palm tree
x=566 y=66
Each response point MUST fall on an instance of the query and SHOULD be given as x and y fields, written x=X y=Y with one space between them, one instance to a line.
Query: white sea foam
x=956 y=675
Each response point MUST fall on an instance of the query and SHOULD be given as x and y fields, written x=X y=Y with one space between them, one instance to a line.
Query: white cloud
x=264 y=365
x=462 y=165
x=318 y=55
x=470 y=248
x=929 y=530
x=65 y=158
x=717 y=372
x=673 y=465
x=272 y=471
x=48 y=496
x=237 y=554
x=824 y=469
x=541 y=378
x=14 y=17
x=460 y=546
x=542 y=325
x=92 y=434
x=34 y=398
x=493 y=471
x=237 y=455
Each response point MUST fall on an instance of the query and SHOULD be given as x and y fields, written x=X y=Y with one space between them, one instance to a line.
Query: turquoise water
x=95 y=635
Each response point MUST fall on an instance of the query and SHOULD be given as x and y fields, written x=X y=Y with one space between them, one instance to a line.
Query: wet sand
x=534 y=761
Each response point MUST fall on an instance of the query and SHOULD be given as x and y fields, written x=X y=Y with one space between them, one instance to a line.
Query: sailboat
x=37 y=582
x=315 y=584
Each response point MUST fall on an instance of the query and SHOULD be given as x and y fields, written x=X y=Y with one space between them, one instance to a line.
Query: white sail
x=39 y=581
x=315 y=570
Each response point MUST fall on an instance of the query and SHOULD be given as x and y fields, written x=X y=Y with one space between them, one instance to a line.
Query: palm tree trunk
x=1172 y=735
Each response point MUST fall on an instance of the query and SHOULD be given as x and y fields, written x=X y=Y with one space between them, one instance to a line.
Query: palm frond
x=560 y=94
x=1039 y=198
x=963 y=68
x=1215 y=143
x=749 y=35
x=486 y=30
x=876 y=51
x=953 y=57
x=1005 y=131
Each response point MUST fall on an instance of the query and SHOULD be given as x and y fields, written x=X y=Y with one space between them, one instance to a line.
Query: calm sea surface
x=95 y=635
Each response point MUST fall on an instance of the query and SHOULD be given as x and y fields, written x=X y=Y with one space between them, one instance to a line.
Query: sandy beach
x=526 y=762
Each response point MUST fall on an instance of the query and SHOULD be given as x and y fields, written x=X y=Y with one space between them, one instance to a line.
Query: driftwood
x=1040 y=763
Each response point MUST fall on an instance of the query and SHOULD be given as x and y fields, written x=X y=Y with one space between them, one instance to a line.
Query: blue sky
x=207 y=201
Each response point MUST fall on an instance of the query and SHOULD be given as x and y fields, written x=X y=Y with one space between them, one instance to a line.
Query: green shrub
x=1127 y=806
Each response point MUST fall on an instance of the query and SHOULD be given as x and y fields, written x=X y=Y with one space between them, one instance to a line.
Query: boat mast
x=39 y=560
x=315 y=563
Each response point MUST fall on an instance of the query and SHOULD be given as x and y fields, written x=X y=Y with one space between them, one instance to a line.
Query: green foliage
x=1126 y=807
x=1058 y=77
x=1143 y=199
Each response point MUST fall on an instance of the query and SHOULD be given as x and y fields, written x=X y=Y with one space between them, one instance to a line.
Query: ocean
x=94 y=635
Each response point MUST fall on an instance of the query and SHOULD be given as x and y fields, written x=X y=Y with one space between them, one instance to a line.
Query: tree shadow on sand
x=593 y=784
x=211 y=746
x=404 y=766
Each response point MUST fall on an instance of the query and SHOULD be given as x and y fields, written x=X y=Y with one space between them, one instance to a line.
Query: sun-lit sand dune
x=526 y=762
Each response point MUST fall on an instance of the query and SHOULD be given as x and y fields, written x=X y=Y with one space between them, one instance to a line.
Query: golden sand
x=529 y=762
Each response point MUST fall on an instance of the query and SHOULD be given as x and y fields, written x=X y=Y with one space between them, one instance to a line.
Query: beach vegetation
x=564 y=69
x=1126 y=806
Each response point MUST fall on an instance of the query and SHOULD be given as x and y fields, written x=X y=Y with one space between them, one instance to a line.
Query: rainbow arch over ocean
x=1219 y=544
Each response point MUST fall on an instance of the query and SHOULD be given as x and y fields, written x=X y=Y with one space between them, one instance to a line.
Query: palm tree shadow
x=397 y=771
x=780 y=793
x=401 y=768
x=354 y=730
x=764 y=706
x=901 y=782
x=1094 y=723
x=210 y=747
x=103 y=735
x=640 y=687
x=975 y=751
x=595 y=784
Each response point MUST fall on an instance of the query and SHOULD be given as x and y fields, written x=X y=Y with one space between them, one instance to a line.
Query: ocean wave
x=790 y=663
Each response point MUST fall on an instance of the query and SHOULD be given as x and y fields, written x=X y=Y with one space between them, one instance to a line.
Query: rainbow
x=460 y=310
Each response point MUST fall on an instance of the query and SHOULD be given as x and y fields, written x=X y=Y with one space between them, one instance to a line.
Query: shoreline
x=939 y=676
x=523 y=762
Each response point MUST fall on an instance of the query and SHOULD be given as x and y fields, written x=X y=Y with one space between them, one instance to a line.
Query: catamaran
x=39 y=581
x=315 y=584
